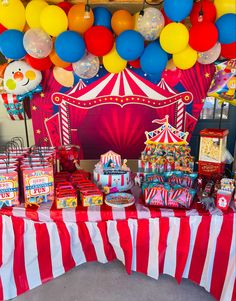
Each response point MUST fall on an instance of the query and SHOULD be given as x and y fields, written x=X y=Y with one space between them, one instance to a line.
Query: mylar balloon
x=99 y=40
x=11 y=44
x=102 y=17
x=203 y=36
x=87 y=67
x=226 y=26
x=121 y=20
x=185 y=59
x=37 y=43
x=12 y=15
x=130 y=45
x=174 y=37
x=39 y=64
x=113 y=63
x=53 y=20
x=177 y=10
x=33 y=11
x=203 y=11
x=79 y=20
x=228 y=51
x=70 y=46
x=149 y=62
x=210 y=55
x=20 y=78
x=150 y=24
x=224 y=82
x=225 y=7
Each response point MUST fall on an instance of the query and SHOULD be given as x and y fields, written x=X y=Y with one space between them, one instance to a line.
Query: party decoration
x=12 y=15
x=22 y=80
x=70 y=46
x=203 y=36
x=113 y=63
x=130 y=45
x=37 y=43
x=172 y=76
x=225 y=7
x=226 y=26
x=57 y=61
x=79 y=20
x=135 y=63
x=149 y=62
x=210 y=55
x=174 y=37
x=39 y=64
x=63 y=77
x=2 y=28
x=99 y=40
x=102 y=17
x=121 y=20
x=185 y=59
x=53 y=20
x=87 y=67
x=228 y=51
x=224 y=82
x=33 y=11
x=204 y=10
x=11 y=44
x=150 y=24
x=66 y=6
x=177 y=10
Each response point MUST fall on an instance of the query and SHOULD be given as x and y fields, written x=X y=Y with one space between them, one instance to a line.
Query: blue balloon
x=226 y=26
x=130 y=45
x=70 y=46
x=153 y=59
x=177 y=10
x=102 y=17
x=11 y=44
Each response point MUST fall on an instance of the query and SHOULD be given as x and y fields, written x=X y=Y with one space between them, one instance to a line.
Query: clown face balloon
x=20 y=78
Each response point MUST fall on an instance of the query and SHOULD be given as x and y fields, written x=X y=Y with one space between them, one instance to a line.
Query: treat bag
x=9 y=188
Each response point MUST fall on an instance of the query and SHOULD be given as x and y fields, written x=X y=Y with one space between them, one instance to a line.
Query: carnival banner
x=112 y=111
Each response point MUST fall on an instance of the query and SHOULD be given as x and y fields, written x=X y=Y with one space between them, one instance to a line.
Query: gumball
x=121 y=20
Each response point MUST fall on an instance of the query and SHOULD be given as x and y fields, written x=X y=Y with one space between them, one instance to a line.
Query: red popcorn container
x=223 y=199
x=68 y=157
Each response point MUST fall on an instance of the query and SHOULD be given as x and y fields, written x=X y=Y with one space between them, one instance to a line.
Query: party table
x=37 y=245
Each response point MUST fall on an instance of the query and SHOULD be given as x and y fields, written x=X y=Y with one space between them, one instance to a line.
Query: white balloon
x=87 y=67
x=209 y=56
x=150 y=24
x=37 y=43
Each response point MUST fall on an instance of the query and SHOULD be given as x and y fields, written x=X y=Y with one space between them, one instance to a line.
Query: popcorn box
x=91 y=198
x=223 y=199
x=66 y=201
x=9 y=189
x=213 y=145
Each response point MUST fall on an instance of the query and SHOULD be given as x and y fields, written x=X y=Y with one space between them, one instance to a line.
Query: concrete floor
x=109 y=282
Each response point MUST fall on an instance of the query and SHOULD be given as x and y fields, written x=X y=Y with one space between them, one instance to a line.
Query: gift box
x=223 y=199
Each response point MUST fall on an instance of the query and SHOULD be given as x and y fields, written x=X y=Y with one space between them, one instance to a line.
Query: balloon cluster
x=66 y=34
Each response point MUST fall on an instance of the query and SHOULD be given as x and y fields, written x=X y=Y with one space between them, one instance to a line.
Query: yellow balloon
x=174 y=37
x=12 y=15
x=113 y=63
x=225 y=7
x=135 y=17
x=185 y=59
x=53 y=20
x=33 y=11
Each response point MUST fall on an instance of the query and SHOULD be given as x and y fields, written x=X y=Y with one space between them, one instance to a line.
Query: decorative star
x=46 y=119
x=42 y=94
x=207 y=75
x=38 y=131
x=45 y=139
x=34 y=108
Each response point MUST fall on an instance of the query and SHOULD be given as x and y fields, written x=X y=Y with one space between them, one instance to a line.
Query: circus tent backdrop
x=115 y=110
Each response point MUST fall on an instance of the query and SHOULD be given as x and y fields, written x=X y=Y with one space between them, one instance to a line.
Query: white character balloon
x=21 y=79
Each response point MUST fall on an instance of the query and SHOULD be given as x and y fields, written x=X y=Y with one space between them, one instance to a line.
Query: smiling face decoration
x=20 y=78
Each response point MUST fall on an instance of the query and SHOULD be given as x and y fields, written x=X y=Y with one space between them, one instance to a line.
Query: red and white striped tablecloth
x=39 y=245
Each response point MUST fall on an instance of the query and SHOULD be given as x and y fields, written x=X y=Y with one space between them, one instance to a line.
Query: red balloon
x=172 y=77
x=228 y=51
x=39 y=64
x=203 y=36
x=2 y=28
x=135 y=63
x=208 y=10
x=99 y=40
x=66 y=6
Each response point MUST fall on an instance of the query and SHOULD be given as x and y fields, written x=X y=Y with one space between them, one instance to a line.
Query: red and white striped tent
x=124 y=88
x=166 y=134
x=110 y=155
